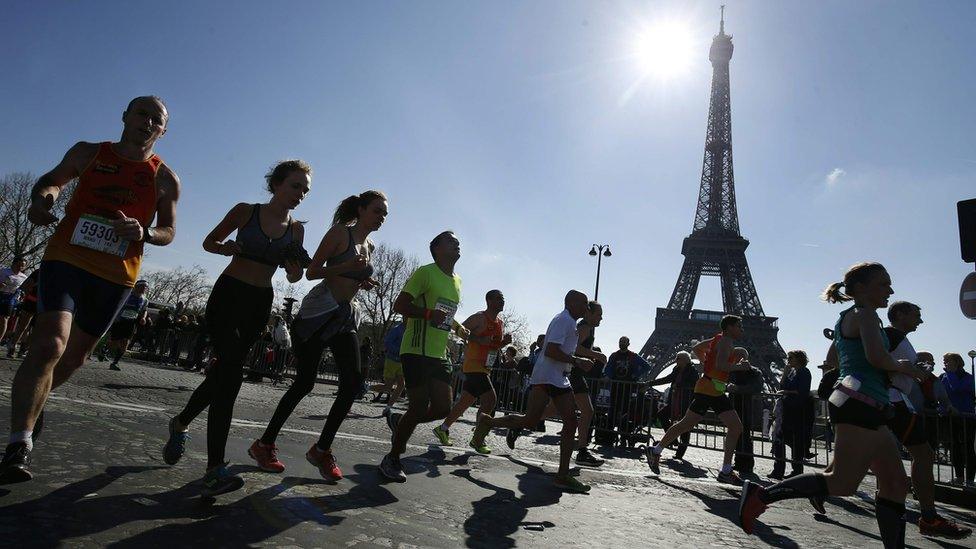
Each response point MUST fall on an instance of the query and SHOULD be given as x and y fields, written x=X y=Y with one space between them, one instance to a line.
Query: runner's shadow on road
x=177 y=389
x=823 y=519
x=431 y=462
x=729 y=509
x=500 y=515
x=258 y=517
x=686 y=469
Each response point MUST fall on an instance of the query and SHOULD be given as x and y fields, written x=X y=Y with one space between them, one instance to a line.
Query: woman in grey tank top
x=327 y=318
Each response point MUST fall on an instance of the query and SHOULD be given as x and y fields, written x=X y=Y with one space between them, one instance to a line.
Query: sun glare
x=663 y=50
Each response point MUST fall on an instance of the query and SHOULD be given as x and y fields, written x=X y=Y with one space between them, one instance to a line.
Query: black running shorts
x=93 y=301
x=701 y=403
x=552 y=390
x=578 y=382
x=419 y=370
x=477 y=384
x=123 y=329
x=909 y=428
x=855 y=412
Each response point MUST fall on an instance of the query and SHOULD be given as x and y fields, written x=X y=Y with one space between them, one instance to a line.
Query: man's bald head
x=576 y=303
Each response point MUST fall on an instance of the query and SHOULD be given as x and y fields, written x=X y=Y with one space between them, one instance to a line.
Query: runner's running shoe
x=325 y=462
x=818 y=505
x=443 y=435
x=750 y=506
x=653 y=460
x=15 y=464
x=570 y=484
x=219 y=480
x=584 y=457
x=512 y=436
x=943 y=527
x=176 y=445
x=480 y=448
x=729 y=478
x=267 y=457
x=391 y=470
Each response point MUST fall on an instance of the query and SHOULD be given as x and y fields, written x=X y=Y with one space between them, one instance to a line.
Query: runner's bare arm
x=404 y=306
x=330 y=247
x=702 y=348
x=867 y=322
x=215 y=241
x=168 y=186
x=49 y=185
x=476 y=323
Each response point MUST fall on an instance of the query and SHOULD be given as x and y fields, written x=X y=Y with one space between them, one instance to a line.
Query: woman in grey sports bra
x=239 y=306
x=327 y=318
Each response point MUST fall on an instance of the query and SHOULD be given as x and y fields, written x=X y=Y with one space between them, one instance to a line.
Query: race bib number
x=97 y=233
x=490 y=359
x=129 y=314
x=448 y=307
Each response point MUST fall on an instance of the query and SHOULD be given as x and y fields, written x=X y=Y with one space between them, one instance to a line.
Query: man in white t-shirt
x=555 y=360
x=908 y=423
x=10 y=281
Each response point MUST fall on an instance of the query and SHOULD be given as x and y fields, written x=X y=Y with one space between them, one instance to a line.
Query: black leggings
x=237 y=314
x=345 y=350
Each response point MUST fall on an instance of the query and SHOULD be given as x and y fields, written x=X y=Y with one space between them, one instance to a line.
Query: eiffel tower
x=715 y=248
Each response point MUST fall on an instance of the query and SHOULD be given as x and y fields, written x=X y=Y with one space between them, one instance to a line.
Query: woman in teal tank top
x=859 y=413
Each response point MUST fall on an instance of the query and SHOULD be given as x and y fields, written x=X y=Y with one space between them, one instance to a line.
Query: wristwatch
x=146 y=234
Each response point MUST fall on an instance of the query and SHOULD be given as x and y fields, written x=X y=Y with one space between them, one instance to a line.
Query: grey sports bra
x=258 y=246
x=361 y=274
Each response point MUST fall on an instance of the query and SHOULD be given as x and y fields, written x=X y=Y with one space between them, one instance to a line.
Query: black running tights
x=345 y=350
x=237 y=314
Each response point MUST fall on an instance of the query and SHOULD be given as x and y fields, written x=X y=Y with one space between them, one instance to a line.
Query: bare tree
x=391 y=268
x=286 y=290
x=18 y=236
x=187 y=285
x=517 y=325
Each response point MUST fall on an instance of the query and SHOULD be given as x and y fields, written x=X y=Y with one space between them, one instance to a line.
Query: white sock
x=657 y=449
x=23 y=436
x=726 y=468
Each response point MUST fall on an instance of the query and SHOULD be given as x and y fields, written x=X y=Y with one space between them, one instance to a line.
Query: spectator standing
x=743 y=386
x=682 y=378
x=960 y=388
x=795 y=388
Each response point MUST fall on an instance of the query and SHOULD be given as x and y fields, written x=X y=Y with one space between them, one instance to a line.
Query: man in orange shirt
x=483 y=344
x=92 y=261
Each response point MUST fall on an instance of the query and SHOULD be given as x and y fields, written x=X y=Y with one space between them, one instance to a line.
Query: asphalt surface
x=100 y=481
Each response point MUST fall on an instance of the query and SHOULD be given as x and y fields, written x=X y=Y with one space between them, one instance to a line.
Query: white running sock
x=726 y=468
x=23 y=436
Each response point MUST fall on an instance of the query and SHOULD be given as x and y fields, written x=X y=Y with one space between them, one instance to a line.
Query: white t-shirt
x=9 y=282
x=901 y=383
x=562 y=331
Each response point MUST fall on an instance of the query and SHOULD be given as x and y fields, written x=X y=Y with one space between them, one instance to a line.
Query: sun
x=663 y=50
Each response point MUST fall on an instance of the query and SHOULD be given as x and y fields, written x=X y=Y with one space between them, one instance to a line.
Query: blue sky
x=520 y=126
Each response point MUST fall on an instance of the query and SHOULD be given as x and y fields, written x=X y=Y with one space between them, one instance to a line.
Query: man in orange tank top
x=719 y=359
x=483 y=345
x=92 y=261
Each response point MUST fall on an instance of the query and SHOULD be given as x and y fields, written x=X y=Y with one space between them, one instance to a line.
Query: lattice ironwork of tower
x=715 y=248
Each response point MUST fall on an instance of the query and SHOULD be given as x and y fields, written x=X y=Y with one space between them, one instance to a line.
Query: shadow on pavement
x=501 y=514
x=177 y=389
x=729 y=509
x=686 y=469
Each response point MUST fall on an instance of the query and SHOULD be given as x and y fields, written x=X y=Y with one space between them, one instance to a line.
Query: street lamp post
x=600 y=251
x=972 y=361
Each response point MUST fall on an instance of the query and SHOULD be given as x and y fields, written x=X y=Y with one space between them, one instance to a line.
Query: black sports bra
x=361 y=274
x=258 y=246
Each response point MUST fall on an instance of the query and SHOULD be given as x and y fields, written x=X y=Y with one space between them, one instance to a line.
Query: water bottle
x=838 y=397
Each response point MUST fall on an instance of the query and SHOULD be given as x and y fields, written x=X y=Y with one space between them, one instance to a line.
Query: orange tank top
x=84 y=237
x=707 y=383
x=477 y=357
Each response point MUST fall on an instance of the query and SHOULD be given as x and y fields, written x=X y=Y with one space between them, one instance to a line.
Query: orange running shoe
x=267 y=457
x=325 y=462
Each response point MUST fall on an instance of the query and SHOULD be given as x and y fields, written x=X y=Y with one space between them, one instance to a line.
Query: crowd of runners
x=126 y=196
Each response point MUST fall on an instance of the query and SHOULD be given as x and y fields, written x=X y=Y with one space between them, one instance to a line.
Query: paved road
x=100 y=480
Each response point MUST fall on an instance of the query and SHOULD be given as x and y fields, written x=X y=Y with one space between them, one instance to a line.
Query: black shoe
x=14 y=467
x=512 y=436
x=114 y=366
x=38 y=425
x=653 y=460
x=818 y=505
x=584 y=457
x=775 y=475
x=680 y=454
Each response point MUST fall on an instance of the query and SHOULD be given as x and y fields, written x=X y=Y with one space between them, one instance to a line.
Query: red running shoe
x=942 y=527
x=267 y=457
x=750 y=506
x=325 y=462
